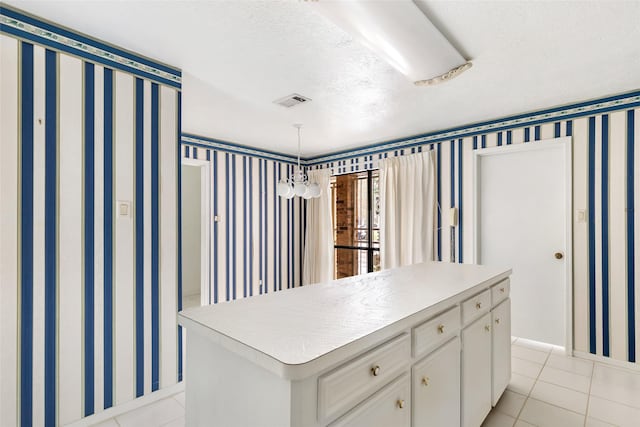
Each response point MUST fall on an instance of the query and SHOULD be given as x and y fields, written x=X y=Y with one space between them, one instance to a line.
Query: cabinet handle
x=441 y=329
x=498 y=321
x=400 y=403
x=375 y=371
x=478 y=305
x=425 y=381
x=502 y=290
x=487 y=328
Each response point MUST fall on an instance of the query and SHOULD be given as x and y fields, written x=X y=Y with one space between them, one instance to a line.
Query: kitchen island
x=427 y=344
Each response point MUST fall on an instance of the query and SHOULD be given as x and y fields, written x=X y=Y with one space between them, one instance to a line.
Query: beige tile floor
x=547 y=389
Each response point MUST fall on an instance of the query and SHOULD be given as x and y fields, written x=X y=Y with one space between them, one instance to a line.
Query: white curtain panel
x=318 y=250
x=407 y=209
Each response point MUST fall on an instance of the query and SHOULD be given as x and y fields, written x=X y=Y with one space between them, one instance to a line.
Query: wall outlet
x=123 y=209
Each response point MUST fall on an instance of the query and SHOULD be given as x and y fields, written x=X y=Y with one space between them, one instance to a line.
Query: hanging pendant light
x=298 y=183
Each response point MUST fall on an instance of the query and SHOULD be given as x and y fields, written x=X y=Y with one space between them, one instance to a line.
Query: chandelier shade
x=298 y=183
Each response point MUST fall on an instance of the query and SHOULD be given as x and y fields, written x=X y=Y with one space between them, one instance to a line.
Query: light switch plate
x=123 y=208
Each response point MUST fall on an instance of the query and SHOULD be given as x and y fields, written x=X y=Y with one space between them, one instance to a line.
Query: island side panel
x=226 y=390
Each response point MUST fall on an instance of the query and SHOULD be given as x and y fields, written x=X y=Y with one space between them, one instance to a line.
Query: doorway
x=523 y=221
x=195 y=233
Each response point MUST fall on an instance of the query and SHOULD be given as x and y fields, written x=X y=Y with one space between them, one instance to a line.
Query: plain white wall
x=191 y=206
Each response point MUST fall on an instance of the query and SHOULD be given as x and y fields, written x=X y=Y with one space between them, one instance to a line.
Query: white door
x=522 y=204
x=191 y=237
x=196 y=232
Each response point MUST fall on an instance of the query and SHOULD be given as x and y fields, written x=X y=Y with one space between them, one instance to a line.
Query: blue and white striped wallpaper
x=88 y=298
x=606 y=176
x=257 y=240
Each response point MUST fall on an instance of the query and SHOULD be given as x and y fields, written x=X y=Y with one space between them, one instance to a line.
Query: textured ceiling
x=239 y=56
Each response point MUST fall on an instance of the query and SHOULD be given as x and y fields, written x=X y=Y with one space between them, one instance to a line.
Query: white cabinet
x=436 y=387
x=476 y=371
x=390 y=406
x=382 y=350
x=501 y=359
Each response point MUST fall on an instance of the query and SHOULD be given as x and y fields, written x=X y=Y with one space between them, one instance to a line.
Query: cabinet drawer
x=476 y=306
x=391 y=406
x=436 y=331
x=500 y=292
x=350 y=383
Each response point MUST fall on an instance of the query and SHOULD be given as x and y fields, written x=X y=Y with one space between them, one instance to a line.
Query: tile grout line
x=604 y=365
x=567 y=388
x=604 y=398
x=532 y=387
x=586 y=413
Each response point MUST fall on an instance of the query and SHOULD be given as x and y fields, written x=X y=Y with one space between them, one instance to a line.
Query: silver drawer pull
x=502 y=290
x=498 y=321
x=487 y=328
x=375 y=371
x=425 y=381
x=478 y=305
x=441 y=329
x=400 y=403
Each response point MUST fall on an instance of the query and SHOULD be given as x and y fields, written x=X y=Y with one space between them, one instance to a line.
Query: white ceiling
x=239 y=56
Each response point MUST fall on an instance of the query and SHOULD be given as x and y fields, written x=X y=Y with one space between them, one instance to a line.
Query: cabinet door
x=501 y=320
x=476 y=371
x=390 y=406
x=436 y=387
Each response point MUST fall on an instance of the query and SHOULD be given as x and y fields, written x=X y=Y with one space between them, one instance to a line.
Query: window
x=356 y=219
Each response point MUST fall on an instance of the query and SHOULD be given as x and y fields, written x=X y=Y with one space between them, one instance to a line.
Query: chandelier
x=298 y=183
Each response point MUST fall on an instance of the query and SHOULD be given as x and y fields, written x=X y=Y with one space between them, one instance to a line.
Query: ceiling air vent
x=292 y=100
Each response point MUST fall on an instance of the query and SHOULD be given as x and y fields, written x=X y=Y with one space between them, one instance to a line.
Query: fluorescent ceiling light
x=400 y=34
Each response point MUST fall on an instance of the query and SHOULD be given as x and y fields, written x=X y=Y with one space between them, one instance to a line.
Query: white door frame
x=205 y=226
x=537 y=145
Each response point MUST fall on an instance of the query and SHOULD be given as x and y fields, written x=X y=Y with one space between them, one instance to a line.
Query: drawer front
x=391 y=406
x=500 y=292
x=349 y=384
x=436 y=331
x=476 y=306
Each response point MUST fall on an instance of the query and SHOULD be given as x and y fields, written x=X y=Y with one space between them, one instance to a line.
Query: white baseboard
x=128 y=406
x=607 y=361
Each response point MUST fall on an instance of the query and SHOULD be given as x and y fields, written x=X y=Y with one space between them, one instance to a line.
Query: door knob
x=559 y=255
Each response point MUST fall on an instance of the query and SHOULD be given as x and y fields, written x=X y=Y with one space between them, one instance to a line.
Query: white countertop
x=296 y=332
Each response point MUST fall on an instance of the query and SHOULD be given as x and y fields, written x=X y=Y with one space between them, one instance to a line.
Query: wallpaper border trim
x=201 y=141
x=20 y=24
x=570 y=111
